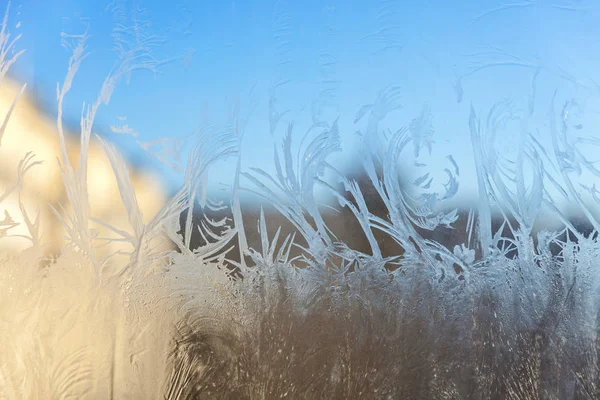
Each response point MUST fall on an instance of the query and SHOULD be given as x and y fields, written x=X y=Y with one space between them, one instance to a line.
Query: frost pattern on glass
x=395 y=294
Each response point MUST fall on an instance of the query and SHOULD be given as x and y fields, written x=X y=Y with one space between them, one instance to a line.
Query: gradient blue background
x=220 y=50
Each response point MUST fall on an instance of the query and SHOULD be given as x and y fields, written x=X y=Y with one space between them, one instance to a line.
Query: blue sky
x=220 y=50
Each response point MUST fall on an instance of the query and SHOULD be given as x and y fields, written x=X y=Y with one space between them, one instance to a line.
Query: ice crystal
x=396 y=293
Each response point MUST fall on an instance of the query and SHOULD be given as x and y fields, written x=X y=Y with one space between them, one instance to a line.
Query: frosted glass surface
x=267 y=199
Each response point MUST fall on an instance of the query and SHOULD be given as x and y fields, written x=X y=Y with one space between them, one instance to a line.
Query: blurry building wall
x=30 y=129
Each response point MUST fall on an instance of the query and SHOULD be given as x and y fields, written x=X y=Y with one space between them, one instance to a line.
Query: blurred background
x=273 y=63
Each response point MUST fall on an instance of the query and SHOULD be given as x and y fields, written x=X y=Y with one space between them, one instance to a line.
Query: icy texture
x=287 y=302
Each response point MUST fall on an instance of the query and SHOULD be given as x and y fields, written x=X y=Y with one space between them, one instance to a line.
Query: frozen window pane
x=299 y=199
